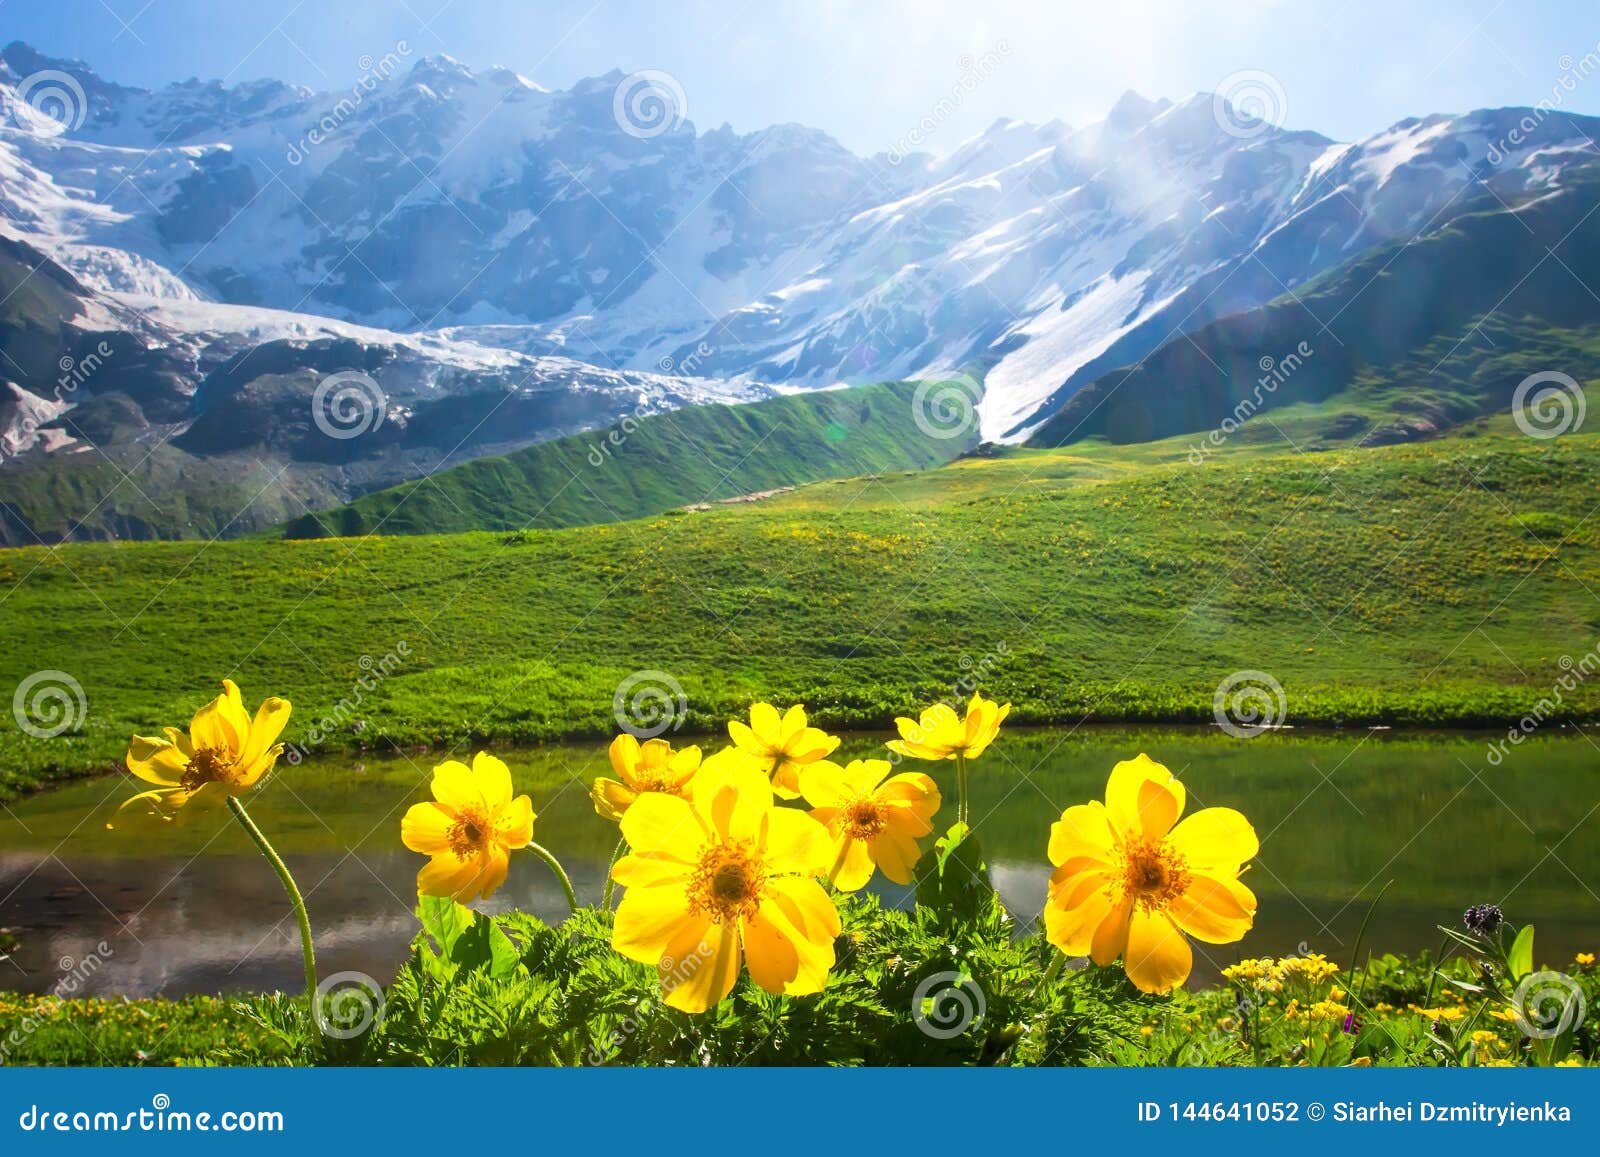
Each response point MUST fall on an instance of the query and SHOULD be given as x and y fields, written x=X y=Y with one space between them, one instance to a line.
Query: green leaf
x=444 y=921
x=484 y=947
x=952 y=877
x=1520 y=959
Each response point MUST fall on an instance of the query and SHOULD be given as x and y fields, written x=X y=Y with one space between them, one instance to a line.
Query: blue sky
x=869 y=71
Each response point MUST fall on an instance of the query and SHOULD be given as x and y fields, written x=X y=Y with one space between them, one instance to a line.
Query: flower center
x=863 y=819
x=469 y=835
x=207 y=765
x=1153 y=873
x=728 y=881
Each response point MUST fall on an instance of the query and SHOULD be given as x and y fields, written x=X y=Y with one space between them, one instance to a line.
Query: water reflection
x=192 y=908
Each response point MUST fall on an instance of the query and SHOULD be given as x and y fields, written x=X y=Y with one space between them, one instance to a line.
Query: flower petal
x=1157 y=957
x=452 y=877
x=156 y=761
x=425 y=828
x=824 y=784
x=1084 y=830
x=493 y=778
x=664 y=825
x=769 y=954
x=1214 y=911
x=648 y=919
x=1215 y=840
x=796 y=843
x=513 y=827
x=700 y=965
x=261 y=738
x=856 y=865
x=454 y=787
x=624 y=753
x=1137 y=812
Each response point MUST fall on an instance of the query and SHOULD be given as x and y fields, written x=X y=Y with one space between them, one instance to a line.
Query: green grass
x=1434 y=584
x=649 y=465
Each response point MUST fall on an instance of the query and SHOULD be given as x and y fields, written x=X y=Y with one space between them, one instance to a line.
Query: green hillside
x=648 y=465
x=1435 y=583
x=1412 y=338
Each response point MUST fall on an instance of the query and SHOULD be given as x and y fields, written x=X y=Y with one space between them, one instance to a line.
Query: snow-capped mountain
x=476 y=211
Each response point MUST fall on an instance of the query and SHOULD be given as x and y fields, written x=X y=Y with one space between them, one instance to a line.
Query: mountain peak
x=1133 y=110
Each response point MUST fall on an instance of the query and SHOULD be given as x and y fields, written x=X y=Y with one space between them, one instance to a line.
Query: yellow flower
x=781 y=744
x=1129 y=883
x=225 y=753
x=1584 y=958
x=942 y=734
x=722 y=877
x=648 y=766
x=470 y=829
x=873 y=819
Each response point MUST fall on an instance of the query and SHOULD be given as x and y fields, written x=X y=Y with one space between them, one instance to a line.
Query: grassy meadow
x=1433 y=583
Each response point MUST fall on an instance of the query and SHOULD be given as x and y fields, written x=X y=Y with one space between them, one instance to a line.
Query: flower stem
x=561 y=874
x=307 y=952
x=1051 y=973
x=961 y=787
x=611 y=884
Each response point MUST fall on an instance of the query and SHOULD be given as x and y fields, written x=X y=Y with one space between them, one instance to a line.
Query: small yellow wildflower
x=225 y=753
x=1131 y=880
x=942 y=734
x=781 y=744
x=641 y=767
x=469 y=828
